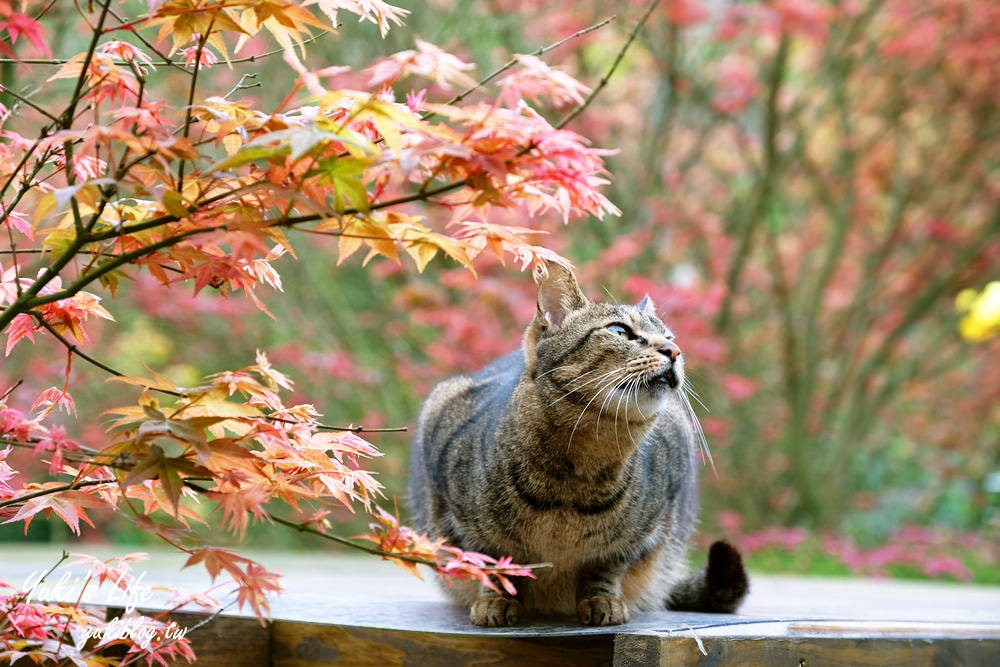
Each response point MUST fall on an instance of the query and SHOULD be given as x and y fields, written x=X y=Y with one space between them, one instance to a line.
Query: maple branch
x=31 y=441
x=179 y=64
x=190 y=103
x=208 y=619
x=20 y=304
x=67 y=116
x=25 y=100
x=10 y=389
x=513 y=61
x=73 y=349
x=24 y=596
x=611 y=70
x=301 y=527
x=55 y=489
x=240 y=86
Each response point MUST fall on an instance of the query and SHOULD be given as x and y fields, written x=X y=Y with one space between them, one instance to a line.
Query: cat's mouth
x=665 y=378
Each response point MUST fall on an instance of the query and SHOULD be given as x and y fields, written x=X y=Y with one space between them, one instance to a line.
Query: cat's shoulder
x=497 y=378
x=503 y=370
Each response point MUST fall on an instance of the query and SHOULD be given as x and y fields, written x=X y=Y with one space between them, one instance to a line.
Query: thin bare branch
x=513 y=61
x=611 y=70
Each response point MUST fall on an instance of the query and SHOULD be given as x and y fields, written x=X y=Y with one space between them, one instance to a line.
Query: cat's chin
x=653 y=396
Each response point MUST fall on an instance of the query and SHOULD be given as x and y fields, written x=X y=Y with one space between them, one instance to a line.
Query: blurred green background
x=805 y=187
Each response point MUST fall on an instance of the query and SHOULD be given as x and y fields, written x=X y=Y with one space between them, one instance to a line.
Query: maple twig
x=31 y=443
x=165 y=61
x=25 y=100
x=190 y=102
x=13 y=252
x=55 y=489
x=374 y=551
x=611 y=70
x=513 y=61
x=10 y=390
x=74 y=349
x=352 y=429
x=24 y=596
x=240 y=86
x=208 y=619
x=427 y=115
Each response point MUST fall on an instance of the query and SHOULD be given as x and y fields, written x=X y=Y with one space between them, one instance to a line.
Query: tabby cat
x=578 y=450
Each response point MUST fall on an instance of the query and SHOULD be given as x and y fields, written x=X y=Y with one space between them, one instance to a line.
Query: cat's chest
x=566 y=538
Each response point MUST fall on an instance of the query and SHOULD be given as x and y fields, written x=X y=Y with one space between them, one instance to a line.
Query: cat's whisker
x=621 y=394
x=625 y=394
x=611 y=394
x=591 y=381
x=689 y=390
x=628 y=428
x=596 y=432
x=632 y=385
x=557 y=368
x=615 y=380
x=604 y=386
x=638 y=385
x=617 y=408
x=580 y=377
x=703 y=441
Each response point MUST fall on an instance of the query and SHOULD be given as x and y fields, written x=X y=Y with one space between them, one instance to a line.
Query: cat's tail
x=719 y=588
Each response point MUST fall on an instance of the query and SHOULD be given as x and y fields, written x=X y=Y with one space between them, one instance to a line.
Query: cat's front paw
x=602 y=610
x=495 y=612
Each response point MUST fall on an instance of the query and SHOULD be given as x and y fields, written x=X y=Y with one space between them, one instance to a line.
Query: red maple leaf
x=18 y=24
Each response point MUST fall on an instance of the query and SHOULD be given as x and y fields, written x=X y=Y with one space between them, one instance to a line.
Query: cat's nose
x=670 y=350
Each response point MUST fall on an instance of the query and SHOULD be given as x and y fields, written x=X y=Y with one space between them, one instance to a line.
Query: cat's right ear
x=558 y=294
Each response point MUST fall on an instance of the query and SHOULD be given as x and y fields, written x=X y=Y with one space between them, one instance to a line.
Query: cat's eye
x=619 y=330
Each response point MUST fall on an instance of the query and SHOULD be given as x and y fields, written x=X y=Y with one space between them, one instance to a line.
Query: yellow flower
x=982 y=313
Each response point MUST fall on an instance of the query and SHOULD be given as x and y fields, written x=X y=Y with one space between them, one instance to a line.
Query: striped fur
x=576 y=450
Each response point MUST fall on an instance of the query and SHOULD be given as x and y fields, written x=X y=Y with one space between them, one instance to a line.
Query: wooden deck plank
x=663 y=650
x=351 y=611
x=312 y=644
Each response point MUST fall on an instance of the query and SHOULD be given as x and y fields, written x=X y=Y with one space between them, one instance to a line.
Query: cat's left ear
x=646 y=306
x=558 y=295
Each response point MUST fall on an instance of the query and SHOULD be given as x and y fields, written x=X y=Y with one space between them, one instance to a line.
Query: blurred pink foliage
x=933 y=551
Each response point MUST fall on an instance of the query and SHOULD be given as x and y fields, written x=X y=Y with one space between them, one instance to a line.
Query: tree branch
x=74 y=349
x=513 y=61
x=611 y=70
x=55 y=489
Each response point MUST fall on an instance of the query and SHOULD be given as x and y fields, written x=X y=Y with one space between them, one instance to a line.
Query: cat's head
x=609 y=352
